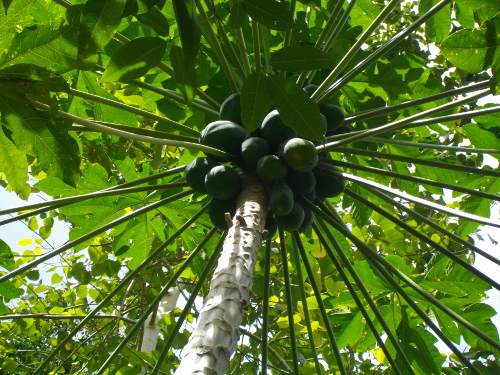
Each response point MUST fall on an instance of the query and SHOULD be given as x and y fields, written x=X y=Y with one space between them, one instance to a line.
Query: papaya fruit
x=223 y=135
x=222 y=182
x=311 y=197
x=274 y=131
x=217 y=209
x=308 y=220
x=230 y=109
x=271 y=168
x=299 y=154
x=341 y=130
x=300 y=182
x=293 y=220
x=295 y=77
x=310 y=89
x=270 y=226
x=334 y=116
x=196 y=171
x=328 y=185
x=281 y=200
x=252 y=149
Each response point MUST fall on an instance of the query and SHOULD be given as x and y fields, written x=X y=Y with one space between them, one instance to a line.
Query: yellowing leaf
x=25 y=242
x=52 y=341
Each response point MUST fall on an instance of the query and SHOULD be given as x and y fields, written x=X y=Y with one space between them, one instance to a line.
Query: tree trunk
x=216 y=336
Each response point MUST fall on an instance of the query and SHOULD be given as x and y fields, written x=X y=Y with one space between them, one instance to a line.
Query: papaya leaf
x=14 y=165
x=477 y=4
x=474 y=50
x=145 y=6
x=134 y=59
x=482 y=138
x=299 y=58
x=18 y=13
x=255 y=101
x=156 y=20
x=237 y=16
x=99 y=22
x=8 y=290
x=296 y=108
x=270 y=13
x=87 y=82
x=54 y=43
x=189 y=28
x=30 y=72
x=184 y=73
x=34 y=133
x=6 y=256
x=438 y=27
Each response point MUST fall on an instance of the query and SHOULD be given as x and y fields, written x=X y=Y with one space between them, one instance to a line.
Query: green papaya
x=301 y=182
x=271 y=168
x=299 y=154
x=196 y=171
x=252 y=149
x=293 y=220
x=270 y=226
x=223 y=182
x=341 y=130
x=274 y=130
x=308 y=220
x=328 y=185
x=281 y=200
x=310 y=89
x=230 y=109
x=223 y=135
x=217 y=209
x=334 y=116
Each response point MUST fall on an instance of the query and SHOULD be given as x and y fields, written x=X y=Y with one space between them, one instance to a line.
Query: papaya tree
x=249 y=186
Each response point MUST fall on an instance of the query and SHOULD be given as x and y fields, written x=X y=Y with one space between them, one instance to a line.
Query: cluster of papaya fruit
x=289 y=166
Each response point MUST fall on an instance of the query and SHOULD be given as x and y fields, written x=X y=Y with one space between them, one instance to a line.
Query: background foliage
x=97 y=96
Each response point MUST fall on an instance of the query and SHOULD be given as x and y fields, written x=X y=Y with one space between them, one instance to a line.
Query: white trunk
x=216 y=336
x=151 y=330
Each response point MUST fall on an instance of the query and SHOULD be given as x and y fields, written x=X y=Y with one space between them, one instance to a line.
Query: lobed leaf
x=296 y=108
x=255 y=101
x=134 y=59
x=99 y=22
x=270 y=13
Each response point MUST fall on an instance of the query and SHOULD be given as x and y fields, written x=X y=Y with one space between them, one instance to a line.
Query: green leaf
x=53 y=44
x=300 y=58
x=156 y=20
x=8 y=289
x=13 y=164
x=479 y=315
x=296 y=108
x=237 y=16
x=255 y=101
x=88 y=82
x=482 y=138
x=349 y=328
x=184 y=73
x=270 y=13
x=19 y=13
x=477 y=4
x=473 y=50
x=458 y=281
x=437 y=27
x=34 y=133
x=6 y=256
x=142 y=230
x=98 y=24
x=189 y=28
x=30 y=72
x=134 y=59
